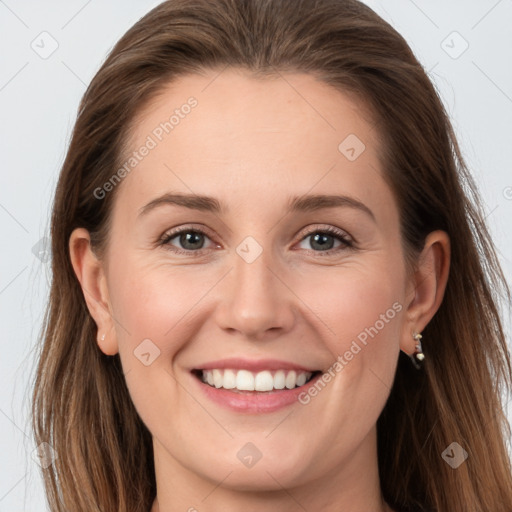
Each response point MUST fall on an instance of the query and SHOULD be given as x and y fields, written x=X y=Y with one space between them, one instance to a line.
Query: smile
x=262 y=381
x=257 y=387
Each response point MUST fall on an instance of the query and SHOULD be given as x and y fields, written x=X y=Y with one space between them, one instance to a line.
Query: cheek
x=153 y=306
x=150 y=301
x=358 y=303
x=361 y=311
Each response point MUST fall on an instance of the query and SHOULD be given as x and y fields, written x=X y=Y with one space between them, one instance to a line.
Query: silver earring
x=418 y=357
x=103 y=337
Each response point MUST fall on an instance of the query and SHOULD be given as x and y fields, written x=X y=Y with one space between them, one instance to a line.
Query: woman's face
x=254 y=282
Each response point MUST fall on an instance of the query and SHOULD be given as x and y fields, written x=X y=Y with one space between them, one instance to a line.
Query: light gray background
x=38 y=102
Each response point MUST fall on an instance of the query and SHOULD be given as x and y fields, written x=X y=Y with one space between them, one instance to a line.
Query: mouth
x=243 y=381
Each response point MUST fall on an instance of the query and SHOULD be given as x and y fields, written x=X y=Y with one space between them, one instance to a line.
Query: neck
x=352 y=486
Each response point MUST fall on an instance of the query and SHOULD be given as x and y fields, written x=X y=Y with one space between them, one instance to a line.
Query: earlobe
x=429 y=285
x=90 y=274
x=107 y=343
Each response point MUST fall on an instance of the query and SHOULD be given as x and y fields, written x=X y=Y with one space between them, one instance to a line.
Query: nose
x=256 y=301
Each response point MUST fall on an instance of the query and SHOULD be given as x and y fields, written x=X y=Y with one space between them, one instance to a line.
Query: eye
x=191 y=240
x=324 y=239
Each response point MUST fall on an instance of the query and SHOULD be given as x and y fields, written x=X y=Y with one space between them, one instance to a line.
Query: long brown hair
x=81 y=405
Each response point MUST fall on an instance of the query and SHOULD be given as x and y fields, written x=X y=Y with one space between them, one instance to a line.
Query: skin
x=252 y=143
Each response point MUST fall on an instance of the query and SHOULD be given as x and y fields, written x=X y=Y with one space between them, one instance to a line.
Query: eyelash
x=347 y=243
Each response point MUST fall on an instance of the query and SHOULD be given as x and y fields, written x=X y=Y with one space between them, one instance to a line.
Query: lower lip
x=254 y=401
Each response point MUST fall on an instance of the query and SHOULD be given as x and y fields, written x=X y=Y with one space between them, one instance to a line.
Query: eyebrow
x=321 y=201
x=295 y=204
x=191 y=201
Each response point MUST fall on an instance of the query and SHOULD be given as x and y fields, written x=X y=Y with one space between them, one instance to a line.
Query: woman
x=333 y=341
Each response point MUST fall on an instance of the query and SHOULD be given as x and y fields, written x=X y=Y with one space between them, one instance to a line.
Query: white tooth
x=245 y=380
x=229 y=379
x=217 y=378
x=279 y=379
x=301 y=379
x=291 y=378
x=263 y=381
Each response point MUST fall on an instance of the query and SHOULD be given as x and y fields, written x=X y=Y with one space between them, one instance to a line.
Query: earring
x=103 y=337
x=418 y=357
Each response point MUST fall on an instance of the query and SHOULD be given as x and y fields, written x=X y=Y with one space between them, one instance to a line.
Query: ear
x=426 y=288
x=90 y=273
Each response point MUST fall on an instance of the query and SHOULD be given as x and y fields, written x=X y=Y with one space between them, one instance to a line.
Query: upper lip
x=254 y=365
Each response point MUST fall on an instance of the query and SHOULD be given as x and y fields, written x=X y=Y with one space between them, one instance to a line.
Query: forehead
x=238 y=137
x=234 y=101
